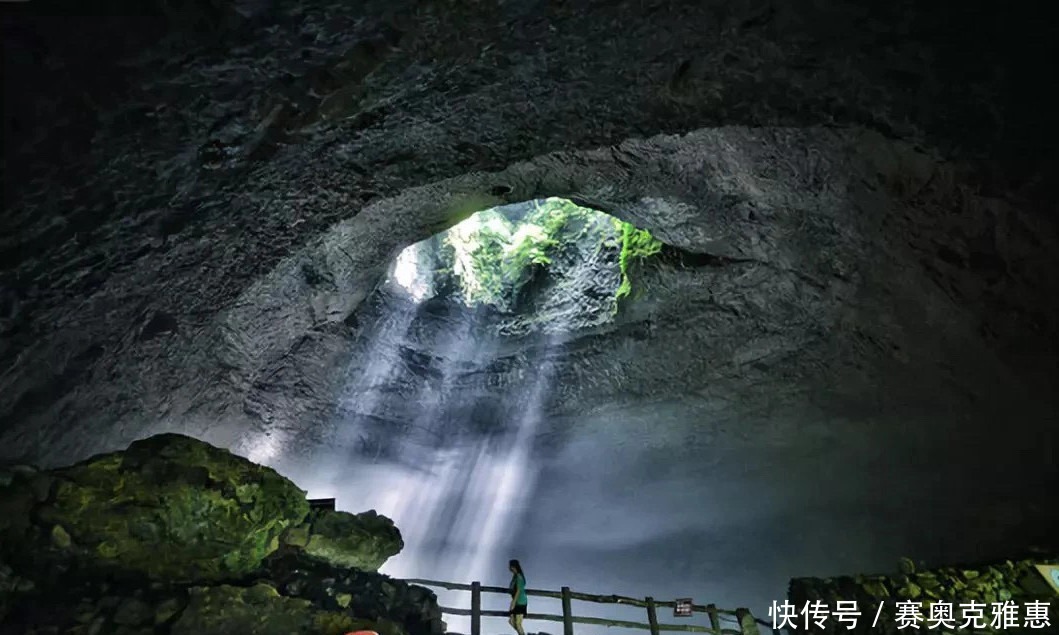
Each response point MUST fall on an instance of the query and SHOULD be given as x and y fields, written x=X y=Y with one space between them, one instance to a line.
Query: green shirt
x=518 y=589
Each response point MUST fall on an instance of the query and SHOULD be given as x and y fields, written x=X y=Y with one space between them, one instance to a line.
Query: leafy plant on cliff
x=636 y=244
x=493 y=257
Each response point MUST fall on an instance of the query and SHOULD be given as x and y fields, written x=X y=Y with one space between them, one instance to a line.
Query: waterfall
x=457 y=487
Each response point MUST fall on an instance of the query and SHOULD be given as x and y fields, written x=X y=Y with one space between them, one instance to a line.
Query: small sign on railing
x=1051 y=574
x=682 y=607
x=322 y=503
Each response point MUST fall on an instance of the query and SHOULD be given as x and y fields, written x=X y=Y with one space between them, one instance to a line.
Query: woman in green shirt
x=519 y=600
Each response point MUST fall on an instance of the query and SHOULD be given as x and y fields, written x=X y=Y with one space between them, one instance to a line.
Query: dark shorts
x=520 y=609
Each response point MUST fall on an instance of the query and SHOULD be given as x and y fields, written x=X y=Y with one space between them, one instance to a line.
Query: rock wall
x=174 y=536
x=979 y=588
x=160 y=189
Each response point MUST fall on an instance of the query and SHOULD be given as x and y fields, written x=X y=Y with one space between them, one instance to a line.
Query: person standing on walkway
x=519 y=600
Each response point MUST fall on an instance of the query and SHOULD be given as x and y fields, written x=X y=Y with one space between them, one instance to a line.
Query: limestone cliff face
x=193 y=220
x=178 y=535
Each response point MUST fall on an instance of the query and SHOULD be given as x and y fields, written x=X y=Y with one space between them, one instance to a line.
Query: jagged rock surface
x=156 y=275
x=261 y=610
x=169 y=507
x=173 y=535
x=362 y=541
x=366 y=594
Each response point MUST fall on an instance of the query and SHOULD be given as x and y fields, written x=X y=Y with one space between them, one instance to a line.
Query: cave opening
x=459 y=356
x=566 y=265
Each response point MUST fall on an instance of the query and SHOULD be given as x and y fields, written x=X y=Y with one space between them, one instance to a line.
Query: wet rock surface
x=175 y=536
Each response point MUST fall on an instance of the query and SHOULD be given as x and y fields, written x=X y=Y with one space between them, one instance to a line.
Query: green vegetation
x=635 y=243
x=493 y=257
x=261 y=609
x=363 y=541
x=172 y=508
x=178 y=536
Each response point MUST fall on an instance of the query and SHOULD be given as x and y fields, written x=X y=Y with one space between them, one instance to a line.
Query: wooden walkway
x=722 y=622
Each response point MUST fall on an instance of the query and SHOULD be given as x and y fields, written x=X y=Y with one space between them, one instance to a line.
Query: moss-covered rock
x=366 y=594
x=261 y=610
x=167 y=535
x=364 y=541
x=172 y=508
x=296 y=536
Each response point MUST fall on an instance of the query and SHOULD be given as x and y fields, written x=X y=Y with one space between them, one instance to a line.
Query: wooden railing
x=722 y=622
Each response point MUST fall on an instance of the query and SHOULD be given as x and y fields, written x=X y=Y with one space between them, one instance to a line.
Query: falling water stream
x=458 y=496
x=459 y=513
x=661 y=498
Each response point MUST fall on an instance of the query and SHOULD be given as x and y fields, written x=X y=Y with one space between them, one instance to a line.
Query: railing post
x=652 y=615
x=568 y=614
x=715 y=620
x=747 y=625
x=476 y=608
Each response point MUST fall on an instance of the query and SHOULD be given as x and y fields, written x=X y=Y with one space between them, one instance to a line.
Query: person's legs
x=511 y=621
x=518 y=624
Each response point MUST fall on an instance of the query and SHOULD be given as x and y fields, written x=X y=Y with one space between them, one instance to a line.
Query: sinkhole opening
x=537 y=257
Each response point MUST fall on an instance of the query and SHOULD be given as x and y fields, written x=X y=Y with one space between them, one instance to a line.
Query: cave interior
x=663 y=298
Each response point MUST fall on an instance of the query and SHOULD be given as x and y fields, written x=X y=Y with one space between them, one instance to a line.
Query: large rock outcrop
x=363 y=541
x=172 y=508
x=261 y=610
x=178 y=535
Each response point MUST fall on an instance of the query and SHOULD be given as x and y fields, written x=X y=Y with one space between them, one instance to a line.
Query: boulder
x=261 y=610
x=364 y=541
x=175 y=535
x=172 y=508
x=366 y=594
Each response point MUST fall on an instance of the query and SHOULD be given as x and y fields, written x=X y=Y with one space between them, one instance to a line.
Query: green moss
x=636 y=244
x=363 y=541
x=296 y=536
x=494 y=258
x=174 y=508
x=261 y=610
x=59 y=537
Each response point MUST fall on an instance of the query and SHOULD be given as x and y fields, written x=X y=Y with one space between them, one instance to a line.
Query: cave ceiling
x=200 y=204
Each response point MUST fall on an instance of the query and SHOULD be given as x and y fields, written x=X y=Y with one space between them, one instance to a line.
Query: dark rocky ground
x=965 y=588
